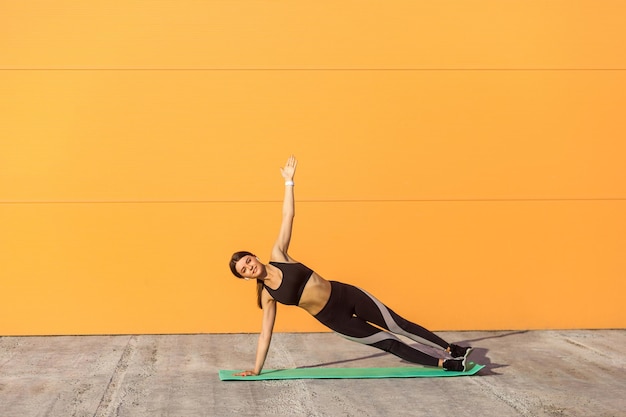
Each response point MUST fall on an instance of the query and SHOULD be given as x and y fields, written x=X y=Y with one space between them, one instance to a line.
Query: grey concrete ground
x=535 y=373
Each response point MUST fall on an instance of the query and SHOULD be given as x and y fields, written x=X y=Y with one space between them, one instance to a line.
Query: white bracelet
x=289 y=183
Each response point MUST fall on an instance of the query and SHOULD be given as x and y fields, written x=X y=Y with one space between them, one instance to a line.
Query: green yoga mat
x=349 y=373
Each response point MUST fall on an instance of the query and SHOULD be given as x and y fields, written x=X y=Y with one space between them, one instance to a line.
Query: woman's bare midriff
x=315 y=295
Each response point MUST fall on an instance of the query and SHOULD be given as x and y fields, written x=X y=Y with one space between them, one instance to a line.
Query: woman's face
x=249 y=267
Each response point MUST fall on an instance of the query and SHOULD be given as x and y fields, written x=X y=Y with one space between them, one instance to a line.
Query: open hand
x=289 y=170
x=246 y=373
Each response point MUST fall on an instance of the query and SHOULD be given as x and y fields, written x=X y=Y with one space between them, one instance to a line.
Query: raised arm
x=281 y=246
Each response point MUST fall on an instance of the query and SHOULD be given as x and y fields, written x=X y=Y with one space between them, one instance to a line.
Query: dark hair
x=259 y=283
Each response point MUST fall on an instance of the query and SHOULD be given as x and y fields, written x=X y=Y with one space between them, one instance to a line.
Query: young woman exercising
x=343 y=308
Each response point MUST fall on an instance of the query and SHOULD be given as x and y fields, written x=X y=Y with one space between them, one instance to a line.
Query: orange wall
x=464 y=161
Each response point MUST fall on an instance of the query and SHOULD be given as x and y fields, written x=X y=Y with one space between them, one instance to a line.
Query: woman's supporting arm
x=265 y=338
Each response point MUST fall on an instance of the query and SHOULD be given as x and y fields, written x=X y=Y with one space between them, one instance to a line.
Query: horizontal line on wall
x=460 y=200
x=313 y=69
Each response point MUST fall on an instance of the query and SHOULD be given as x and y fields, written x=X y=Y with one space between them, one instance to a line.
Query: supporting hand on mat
x=245 y=373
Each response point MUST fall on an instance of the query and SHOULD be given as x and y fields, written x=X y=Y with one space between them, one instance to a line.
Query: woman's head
x=237 y=256
x=242 y=265
x=245 y=264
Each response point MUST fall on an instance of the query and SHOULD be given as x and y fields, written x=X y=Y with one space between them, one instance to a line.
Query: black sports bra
x=295 y=277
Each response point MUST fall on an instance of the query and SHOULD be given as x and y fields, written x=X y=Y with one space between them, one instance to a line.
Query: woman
x=343 y=308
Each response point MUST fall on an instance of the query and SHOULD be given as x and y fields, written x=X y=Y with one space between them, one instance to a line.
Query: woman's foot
x=455 y=365
x=459 y=351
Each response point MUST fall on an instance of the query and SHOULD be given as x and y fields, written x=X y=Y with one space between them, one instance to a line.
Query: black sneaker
x=459 y=351
x=455 y=365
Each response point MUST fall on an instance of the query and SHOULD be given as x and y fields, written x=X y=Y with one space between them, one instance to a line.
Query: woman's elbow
x=265 y=337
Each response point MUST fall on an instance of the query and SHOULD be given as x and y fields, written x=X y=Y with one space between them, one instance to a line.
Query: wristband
x=289 y=183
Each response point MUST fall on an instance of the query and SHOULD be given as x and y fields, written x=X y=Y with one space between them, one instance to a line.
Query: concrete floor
x=534 y=373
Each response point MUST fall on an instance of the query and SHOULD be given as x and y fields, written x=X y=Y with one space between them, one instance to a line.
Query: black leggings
x=350 y=311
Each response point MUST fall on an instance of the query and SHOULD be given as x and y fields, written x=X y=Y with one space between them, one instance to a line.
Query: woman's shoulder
x=282 y=258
